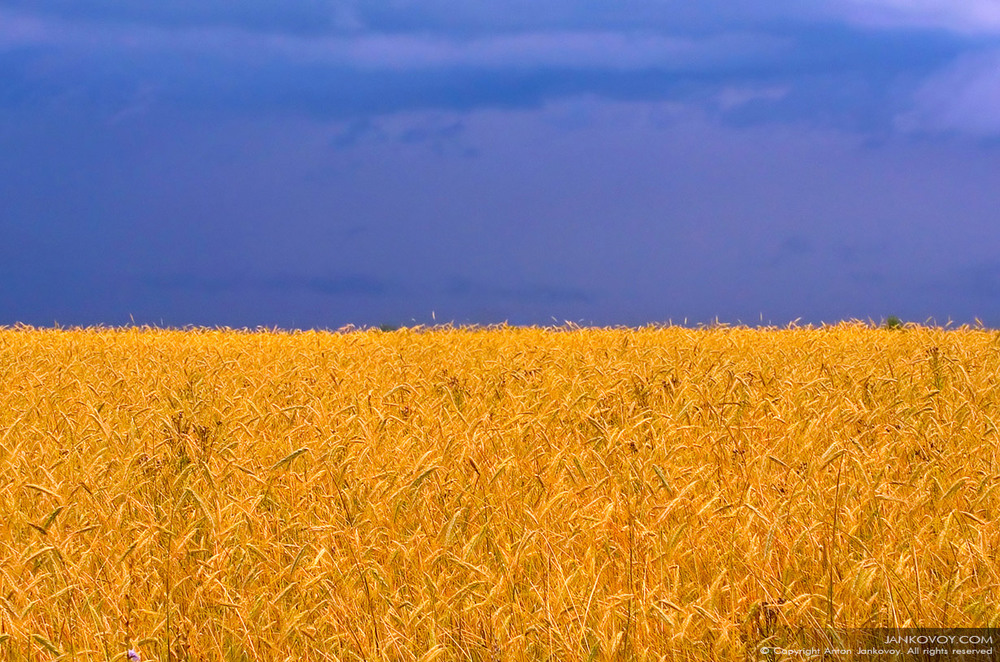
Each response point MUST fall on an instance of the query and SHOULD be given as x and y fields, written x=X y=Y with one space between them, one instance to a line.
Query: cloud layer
x=122 y=57
x=980 y=17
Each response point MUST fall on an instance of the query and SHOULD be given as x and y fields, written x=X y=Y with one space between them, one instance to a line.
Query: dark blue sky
x=314 y=163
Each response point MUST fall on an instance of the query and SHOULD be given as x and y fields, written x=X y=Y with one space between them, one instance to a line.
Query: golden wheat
x=490 y=494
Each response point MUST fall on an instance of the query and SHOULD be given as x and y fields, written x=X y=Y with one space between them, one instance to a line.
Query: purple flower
x=133 y=656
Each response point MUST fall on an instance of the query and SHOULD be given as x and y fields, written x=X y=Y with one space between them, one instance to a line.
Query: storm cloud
x=317 y=163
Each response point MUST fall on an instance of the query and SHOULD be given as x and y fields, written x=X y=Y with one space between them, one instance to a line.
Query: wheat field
x=495 y=493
